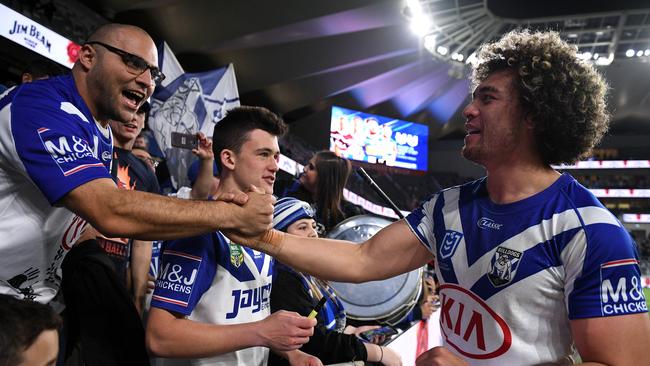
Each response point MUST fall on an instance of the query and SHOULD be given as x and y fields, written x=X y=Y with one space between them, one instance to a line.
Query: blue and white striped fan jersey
x=49 y=145
x=211 y=280
x=512 y=276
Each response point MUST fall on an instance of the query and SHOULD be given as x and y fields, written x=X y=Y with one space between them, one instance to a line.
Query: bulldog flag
x=188 y=103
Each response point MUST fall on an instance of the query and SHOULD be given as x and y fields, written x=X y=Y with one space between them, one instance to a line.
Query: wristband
x=273 y=237
x=381 y=358
x=270 y=242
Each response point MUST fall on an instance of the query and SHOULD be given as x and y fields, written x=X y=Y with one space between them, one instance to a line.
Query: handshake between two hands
x=251 y=219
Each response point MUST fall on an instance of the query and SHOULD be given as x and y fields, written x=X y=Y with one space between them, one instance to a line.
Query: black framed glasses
x=136 y=65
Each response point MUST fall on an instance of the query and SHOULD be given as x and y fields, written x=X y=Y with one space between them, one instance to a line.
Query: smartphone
x=383 y=331
x=185 y=140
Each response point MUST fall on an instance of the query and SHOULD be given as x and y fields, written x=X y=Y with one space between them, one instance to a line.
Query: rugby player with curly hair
x=533 y=269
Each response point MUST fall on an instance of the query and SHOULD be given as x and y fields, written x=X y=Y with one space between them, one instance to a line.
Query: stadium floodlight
x=420 y=24
x=629 y=53
x=442 y=50
x=430 y=42
x=604 y=61
x=646 y=52
x=639 y=53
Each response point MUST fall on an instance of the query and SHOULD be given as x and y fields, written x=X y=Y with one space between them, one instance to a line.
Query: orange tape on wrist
x=274 y=238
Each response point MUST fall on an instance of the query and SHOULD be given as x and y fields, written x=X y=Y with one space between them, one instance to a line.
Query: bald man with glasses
x=56 y=151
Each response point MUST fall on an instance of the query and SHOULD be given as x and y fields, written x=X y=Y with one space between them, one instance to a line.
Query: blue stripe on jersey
x=538 y=258
x=517 y=234
x=621 y=282
x=476 y=208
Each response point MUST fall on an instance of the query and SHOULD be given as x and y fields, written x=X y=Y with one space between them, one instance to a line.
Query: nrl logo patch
x=503 y=266
x=236 y=255
x=450 y=243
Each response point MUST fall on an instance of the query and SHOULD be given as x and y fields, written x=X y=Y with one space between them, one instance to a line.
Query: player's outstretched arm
x=146 y=216
x=392 y=251
x=616 y=340
x=169 y=335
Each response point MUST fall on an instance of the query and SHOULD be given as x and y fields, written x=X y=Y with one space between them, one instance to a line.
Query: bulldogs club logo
x=503 y=266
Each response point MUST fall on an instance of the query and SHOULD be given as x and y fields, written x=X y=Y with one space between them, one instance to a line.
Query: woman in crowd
x=333 y=341
x=321 y=184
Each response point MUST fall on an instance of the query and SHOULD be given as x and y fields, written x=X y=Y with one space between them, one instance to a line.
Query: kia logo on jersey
x=487 y=223
x=470 y=326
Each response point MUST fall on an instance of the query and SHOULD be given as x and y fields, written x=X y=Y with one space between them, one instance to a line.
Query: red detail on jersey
x=422 y=338
x=70 y=237
x=619 y=263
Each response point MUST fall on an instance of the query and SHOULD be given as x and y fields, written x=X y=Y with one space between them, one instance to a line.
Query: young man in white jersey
x=55 y=160
x=211 y=304
x=533 y=269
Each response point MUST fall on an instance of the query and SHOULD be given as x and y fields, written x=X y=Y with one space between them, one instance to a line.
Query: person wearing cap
x=333 y=341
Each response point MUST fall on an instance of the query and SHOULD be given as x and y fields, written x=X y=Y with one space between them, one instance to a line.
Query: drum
x=387 y=301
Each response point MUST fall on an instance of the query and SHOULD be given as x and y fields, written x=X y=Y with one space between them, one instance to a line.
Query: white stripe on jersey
x=451 y=215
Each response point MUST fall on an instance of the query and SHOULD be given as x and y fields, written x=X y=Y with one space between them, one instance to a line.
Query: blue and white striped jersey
x=512 y=276
x=49 y=145
x=211 y=280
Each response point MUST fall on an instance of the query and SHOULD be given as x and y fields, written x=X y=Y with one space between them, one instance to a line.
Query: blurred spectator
x=38 y=70
x=131 y=257
x=144 y=155
x=321 y=184
x=28 y=334
x=142 y=142
x=333 y=341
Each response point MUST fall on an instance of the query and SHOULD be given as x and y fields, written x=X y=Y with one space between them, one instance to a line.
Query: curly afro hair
x=563 y=95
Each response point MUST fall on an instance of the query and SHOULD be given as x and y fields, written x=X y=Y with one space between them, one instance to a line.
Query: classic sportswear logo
x=486 y=223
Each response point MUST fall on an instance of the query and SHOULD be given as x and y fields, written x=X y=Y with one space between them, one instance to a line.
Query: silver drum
x=387 y=301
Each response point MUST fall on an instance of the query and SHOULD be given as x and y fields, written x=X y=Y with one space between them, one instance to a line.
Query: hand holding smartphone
x=185 y=140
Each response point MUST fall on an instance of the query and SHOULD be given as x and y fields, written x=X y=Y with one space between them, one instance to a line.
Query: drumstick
x=381 y=193
x=317 y=308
